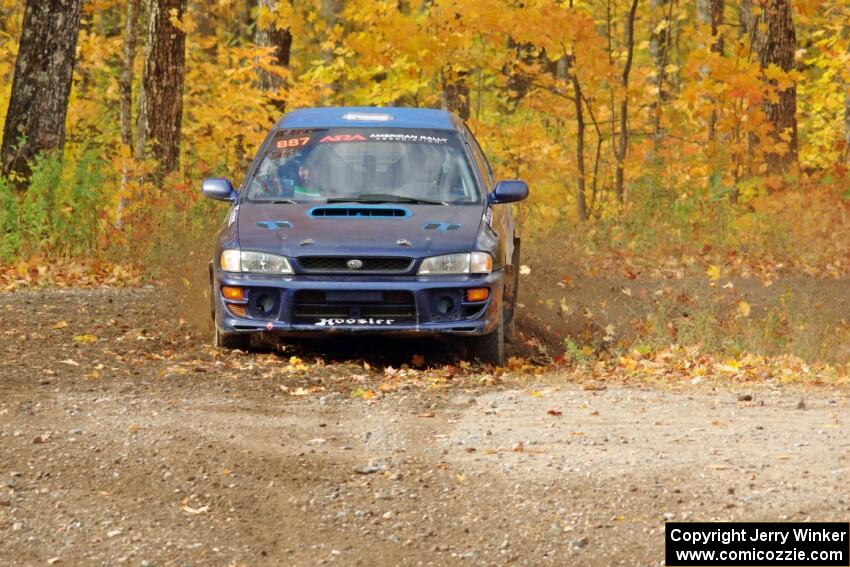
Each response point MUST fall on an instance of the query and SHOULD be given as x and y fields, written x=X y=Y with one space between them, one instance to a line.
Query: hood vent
x=274 y=225
x=350 y=211
x=441 y=226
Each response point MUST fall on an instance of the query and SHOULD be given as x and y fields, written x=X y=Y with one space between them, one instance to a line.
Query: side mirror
x=218 y=189
x=509 y=192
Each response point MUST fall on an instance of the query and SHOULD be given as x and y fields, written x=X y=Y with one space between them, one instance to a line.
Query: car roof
x=333 y=117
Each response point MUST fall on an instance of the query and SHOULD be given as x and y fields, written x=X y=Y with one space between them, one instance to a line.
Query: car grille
x=339 y=264
x=311 y=305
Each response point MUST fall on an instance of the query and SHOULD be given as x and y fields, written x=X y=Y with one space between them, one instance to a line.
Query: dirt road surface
x=126 y=439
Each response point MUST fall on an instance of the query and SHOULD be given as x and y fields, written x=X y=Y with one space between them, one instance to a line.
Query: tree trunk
x=161 y=99
x=774 y=40
x=331 y=9
x=659 y=42
x=125 y=82
x=581 y=195
x=710 y=12
x=281 y=41
x=455 y=95
x=518 y=81
x=125 y=87
x=205 y=25
x=44 y=70
x=659 y=48
x=623 y=147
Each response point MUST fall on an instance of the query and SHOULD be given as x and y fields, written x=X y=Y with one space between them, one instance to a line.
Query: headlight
x=254 y=262
x=473 y=263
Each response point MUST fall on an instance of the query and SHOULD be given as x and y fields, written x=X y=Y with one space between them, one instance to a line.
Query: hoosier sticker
x=370 y=321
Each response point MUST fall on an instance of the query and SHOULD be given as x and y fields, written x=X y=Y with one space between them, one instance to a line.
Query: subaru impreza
x=367 y=220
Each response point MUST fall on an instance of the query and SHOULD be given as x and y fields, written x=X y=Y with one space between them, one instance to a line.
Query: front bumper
x=347 y=304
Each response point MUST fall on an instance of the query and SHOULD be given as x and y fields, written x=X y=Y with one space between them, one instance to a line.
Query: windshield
x=364 y=164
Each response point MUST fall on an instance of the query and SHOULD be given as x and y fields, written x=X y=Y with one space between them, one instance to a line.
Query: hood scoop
x=358 y=211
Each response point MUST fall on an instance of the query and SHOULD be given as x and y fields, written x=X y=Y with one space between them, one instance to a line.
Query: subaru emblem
x=354 y=264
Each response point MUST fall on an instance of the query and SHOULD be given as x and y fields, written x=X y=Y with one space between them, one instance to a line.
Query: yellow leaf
x=744 y=309
x=713 y=273
x=85 y=339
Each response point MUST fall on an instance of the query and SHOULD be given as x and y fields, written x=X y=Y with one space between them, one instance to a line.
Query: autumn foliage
x=653 y=122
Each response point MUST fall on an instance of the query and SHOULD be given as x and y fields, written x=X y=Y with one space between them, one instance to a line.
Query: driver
x=295 y=173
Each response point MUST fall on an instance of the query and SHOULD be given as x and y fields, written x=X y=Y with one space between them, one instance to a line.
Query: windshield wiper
x=385 y=198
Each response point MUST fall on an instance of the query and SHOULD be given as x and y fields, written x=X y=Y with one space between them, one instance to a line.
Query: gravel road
x=126 y=439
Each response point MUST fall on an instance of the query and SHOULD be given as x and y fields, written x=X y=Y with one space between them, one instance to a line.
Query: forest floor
x=126 y=439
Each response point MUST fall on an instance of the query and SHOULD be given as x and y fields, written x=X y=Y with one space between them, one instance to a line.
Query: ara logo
x=343 y=138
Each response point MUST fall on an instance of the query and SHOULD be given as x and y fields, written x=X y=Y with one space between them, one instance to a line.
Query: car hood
x=354 y=228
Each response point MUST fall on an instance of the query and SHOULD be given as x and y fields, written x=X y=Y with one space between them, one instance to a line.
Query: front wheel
x=231 y=341
x=490 y=349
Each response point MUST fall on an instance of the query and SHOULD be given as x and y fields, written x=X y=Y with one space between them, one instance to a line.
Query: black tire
x=490 y=349
x=231 y=341
x=512 y=294
x=510 y=324
x=212 y=293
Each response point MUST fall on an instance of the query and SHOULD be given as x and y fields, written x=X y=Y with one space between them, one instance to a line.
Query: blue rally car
x=376 y=220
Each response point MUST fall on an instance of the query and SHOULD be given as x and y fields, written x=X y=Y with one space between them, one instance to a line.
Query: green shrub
x=77 y=222
x=39 y=204
x=10 y=235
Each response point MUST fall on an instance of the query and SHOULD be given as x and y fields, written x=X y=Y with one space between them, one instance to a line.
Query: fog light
x=233 y=293
x=477 y=294
x=238 y=310
x=445 y=305
x=265 y=304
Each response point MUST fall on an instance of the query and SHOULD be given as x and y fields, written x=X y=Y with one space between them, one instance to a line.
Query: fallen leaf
x=744 y=309
x=518 y=448
x=713 y=273
x=417 y=360
x=69 y=362
x=426 y=414
x=85 y=339
x=43 y=438
x=554 y=412
x=195 y=511
x=359 y=392
x=524 y=270
x=60 y=325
